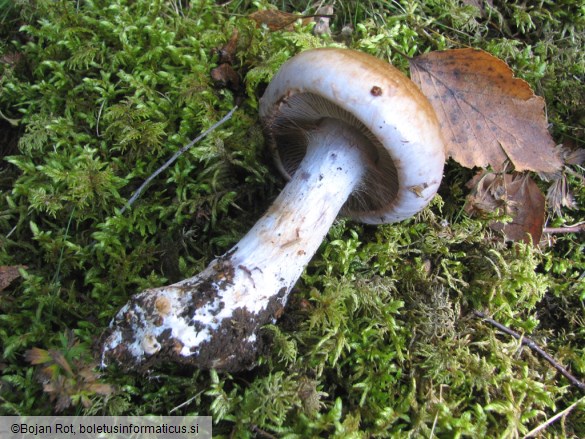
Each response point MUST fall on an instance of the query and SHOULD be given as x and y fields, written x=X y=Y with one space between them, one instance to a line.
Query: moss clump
x=379 y=338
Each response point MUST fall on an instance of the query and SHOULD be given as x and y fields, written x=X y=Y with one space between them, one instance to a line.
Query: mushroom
x=353 y=135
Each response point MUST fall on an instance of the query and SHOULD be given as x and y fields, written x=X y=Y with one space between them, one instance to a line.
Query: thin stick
x=261 y=433
x=185 y=403
x=541 y=427
x=97 y=123
x=170 y=161
x=532 y=345
x=574 y=229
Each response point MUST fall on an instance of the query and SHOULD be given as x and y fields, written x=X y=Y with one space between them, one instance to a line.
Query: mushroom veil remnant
x=354 y=136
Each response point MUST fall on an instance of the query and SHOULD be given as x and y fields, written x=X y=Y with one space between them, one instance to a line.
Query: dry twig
x=532 y=345
x=577 y=228
x=170 y=161
x=532 y=433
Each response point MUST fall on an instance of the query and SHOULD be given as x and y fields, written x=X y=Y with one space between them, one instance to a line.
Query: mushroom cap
x=406 y=153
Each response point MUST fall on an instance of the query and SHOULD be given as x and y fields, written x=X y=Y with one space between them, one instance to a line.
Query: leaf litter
x=487 y=115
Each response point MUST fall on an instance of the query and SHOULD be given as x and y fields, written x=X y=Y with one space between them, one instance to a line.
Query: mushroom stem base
x=213 y=320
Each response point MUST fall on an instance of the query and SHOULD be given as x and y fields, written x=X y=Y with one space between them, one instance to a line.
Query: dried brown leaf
x=61 y=361
x=101 y=389
x=277 y=20
x=224 y=75
x=37 y=356
x=487 y=115
x=512 y=194
x=227 y=53
x=8 y=273
x=559 y=195
x=575 y=156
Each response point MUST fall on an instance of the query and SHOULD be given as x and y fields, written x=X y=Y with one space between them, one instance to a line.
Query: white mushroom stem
x=283 y=241
x=212 y=320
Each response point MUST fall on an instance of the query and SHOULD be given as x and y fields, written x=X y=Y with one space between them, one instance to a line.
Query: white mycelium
x=256 y=276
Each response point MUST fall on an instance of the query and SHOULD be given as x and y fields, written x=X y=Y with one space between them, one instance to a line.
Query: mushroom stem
x=212 y=320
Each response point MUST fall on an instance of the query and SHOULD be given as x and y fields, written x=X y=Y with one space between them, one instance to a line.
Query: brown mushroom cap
x=405 y=148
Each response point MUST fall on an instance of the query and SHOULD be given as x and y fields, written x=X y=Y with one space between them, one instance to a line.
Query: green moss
x=379 y=338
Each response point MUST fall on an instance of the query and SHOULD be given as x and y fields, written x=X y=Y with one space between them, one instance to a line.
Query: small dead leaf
x=61 y=361
x=67 y=381
x=574 y=156
x=224 y=75
x=8 y=273
x=277 y=20
x=59 y=392
x=487 y=115
x=37 y=356
x=101 y=389
x=227 y=52
x=512 y=194
x=559 y=195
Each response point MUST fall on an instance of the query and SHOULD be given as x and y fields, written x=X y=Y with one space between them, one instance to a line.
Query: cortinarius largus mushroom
x=353 y=135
